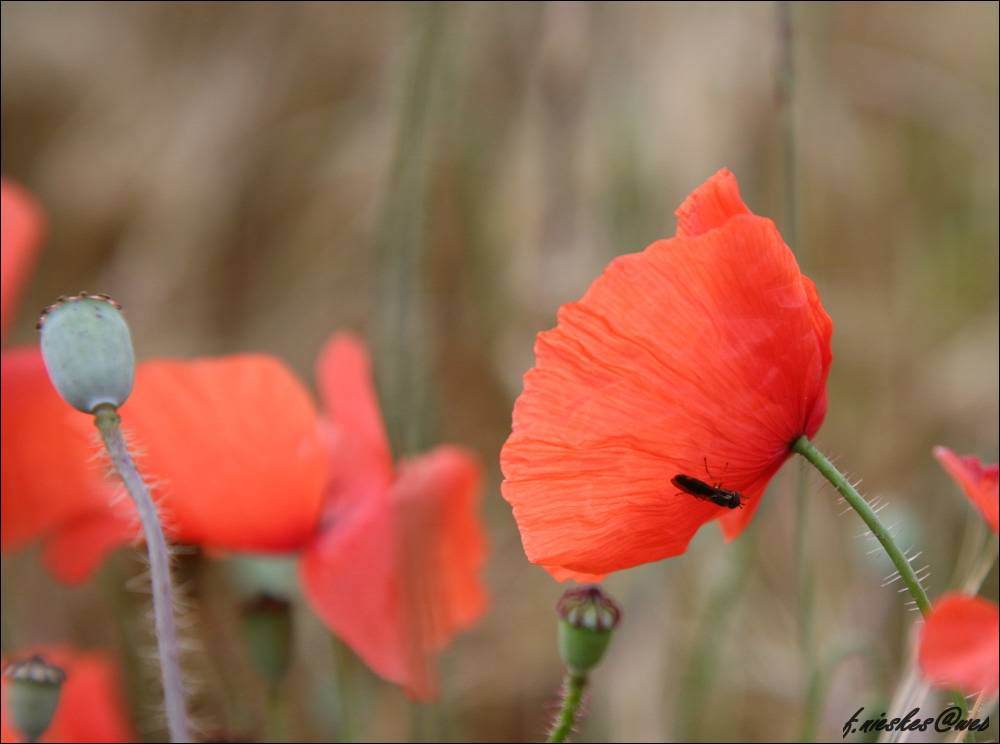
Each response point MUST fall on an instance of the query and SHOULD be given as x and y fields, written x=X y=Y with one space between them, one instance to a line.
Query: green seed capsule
x=587 y=618
x=88 y=351
x=267 y=633
x=33 y=695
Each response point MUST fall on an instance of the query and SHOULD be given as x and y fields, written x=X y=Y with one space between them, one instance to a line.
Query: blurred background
x=440 y=178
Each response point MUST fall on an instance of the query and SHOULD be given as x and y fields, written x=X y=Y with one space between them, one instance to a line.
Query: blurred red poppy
x=30 y=410
x=979 y=482
x=240 y=460
x=47 y=451
x=21 y=227
x=960 y=644
x=395 y=569
x=706 y=355
x=231 y=446
x=91 y=705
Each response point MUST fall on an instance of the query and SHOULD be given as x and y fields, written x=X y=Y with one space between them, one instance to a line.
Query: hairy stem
x=109 y=424
x=826 y=468
x=857 y=502
x=705 y=648
x=573 y=687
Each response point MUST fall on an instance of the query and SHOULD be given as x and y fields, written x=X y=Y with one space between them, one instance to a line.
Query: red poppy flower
x=22 y=227
x=46 y=448
x=231 y=446
x=240 y=460
x=960 y=644
x=705 y=355
x=31 y=411
x=395 y=569
x=91 y=704
x=977 y=480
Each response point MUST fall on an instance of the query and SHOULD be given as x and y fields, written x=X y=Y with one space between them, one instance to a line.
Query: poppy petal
x=396 y=578
x=76 y=549
x=960 y=644
x=734 y=521
x=979 y=481
x=564 y=574
x=91 y=703
x=52 y=470
x=699 y=356
x=711 y=205
x=436 y=496
x=349 y=575
x=232 y=449
x=21 y=226
x=356 y=437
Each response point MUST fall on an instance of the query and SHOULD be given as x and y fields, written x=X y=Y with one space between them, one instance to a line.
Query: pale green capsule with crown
x=88 y=351
x=33 y=695
x=587 y=619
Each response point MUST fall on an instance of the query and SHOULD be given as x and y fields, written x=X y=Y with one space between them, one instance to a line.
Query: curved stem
x=981 y=569
x=857 y=502
x=109 y=424
x=573 y=687
x=826 y=468
x=277 y=714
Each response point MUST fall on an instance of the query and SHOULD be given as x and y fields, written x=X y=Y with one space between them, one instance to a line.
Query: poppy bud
x=88 y=351
x=267 y=632
x=587 y=618
x=33 y=695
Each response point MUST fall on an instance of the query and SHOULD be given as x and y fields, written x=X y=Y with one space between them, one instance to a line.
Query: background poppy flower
x=960 y=644
x=240 y=460
x=91 y=705
x=20 y=237
x=706 y=354
x=395 y=569
x=977 y=480
x=43 y=446
x=48 y=469
x=231 y=446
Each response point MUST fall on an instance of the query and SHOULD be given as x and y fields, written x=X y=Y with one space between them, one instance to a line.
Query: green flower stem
x=705 y=649
x=987 y=557
x=109 y=424
x=346 y=683
x=806 y=448
x=826 y=468
x=573 y=687
x=277 y=715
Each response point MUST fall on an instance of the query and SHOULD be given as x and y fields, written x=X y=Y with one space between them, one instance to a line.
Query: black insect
x=707 y=492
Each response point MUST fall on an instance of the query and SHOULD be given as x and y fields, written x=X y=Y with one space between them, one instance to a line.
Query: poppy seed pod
x=267 y=633
x=88 y=351
x=35 y=686
x=587 y=618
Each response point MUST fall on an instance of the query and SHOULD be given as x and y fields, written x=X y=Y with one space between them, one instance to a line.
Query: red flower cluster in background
x=91 y=704
x=705 y=355
x=241 y=460
x=960 y=640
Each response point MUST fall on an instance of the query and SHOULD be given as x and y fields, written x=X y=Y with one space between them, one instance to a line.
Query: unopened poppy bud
x=267 y=632
x=33 y=695
x=587 y=618
x=88 y=351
